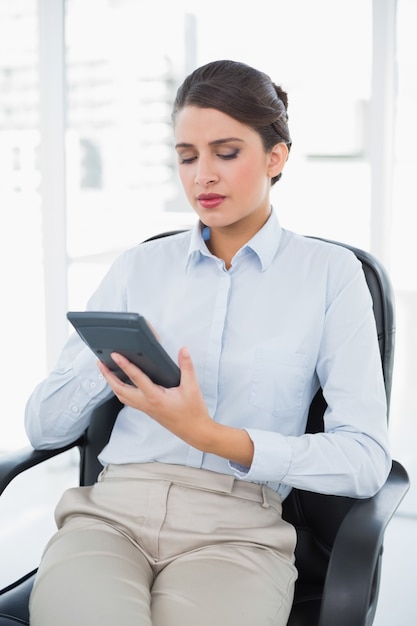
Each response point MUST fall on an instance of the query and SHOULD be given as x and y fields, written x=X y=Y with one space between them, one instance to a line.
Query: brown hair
x=242 y=92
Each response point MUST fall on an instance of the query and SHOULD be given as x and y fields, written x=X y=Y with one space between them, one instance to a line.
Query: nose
x=204 y=177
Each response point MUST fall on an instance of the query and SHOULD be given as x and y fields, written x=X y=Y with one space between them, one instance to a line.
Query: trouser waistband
x=194 y=478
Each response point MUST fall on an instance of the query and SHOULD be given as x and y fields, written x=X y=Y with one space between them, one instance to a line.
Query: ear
x=277 y=158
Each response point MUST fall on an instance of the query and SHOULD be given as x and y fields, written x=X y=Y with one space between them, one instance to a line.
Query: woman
x=184 y=525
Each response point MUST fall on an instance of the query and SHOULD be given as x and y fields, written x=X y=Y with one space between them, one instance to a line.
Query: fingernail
x=115 y=357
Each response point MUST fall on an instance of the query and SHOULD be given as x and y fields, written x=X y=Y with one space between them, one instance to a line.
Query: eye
x=229 y=155
x=185 y=160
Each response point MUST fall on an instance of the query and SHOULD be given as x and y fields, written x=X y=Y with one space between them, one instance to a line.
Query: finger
x=186 y=366
x=112 y=379
x=105 y=371
x=153 y=330
x=136 y=375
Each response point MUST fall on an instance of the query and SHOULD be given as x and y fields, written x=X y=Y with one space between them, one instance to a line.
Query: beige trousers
x=166 y=545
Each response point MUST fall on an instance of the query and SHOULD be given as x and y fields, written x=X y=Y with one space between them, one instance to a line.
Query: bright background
x=87 y=167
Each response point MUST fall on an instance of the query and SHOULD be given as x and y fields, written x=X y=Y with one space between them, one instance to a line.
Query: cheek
x=251 y=176
x=186 y=178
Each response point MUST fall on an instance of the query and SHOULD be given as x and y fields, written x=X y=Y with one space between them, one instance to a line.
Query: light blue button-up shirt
x=290 y=315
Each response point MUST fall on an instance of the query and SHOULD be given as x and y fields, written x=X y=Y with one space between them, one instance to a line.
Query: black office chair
x=340 y=540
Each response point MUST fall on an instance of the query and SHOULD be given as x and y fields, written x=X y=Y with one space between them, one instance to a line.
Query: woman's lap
x=172 y=564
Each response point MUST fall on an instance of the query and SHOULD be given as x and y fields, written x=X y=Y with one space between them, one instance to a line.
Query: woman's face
x=224 y=169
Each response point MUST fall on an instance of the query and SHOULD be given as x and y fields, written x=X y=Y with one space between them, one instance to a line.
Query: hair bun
x=282 y=95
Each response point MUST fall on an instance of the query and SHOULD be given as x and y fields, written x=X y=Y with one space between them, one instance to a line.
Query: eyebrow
x=216 y=142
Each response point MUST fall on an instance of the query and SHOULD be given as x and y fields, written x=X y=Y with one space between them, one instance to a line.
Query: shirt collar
x=264 y=244
x=266 y=241
x=197 y=247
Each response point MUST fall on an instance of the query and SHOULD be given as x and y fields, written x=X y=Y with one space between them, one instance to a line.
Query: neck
x=224 y=242
x=223 y=249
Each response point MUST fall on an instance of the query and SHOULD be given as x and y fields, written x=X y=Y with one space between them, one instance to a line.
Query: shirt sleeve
x=59 y=408
x=352 y=456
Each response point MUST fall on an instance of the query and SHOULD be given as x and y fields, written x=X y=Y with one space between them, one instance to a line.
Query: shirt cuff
x=271 y=458
x=87 y=373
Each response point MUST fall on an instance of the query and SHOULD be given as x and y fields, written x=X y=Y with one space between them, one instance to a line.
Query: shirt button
x=74 y=408
x=93 y=384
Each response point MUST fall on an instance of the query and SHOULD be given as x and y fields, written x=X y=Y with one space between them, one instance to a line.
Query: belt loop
x=102 y=474
x=265 y=503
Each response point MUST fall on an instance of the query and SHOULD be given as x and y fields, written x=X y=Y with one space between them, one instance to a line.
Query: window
x=121 y=168
x=22 y=328
x=403 y=249
x=121 y=84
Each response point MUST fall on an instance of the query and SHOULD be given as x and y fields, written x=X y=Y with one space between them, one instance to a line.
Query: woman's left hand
x=181 y=410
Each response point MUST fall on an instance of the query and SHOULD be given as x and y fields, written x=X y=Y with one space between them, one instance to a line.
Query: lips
x=210 y=200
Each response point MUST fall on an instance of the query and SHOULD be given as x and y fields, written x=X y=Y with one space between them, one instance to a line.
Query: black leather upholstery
x=14 y=601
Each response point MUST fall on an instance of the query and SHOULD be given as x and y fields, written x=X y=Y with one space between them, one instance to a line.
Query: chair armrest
x=357 y=553
x=14 y=463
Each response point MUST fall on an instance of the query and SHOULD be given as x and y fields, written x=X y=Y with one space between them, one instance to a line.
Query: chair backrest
x=95 y=438
x=316 y=517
